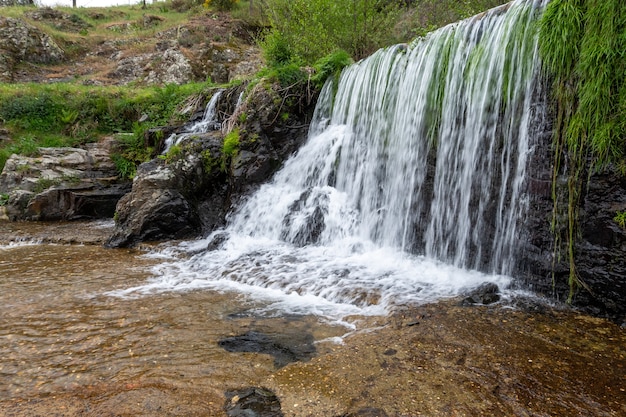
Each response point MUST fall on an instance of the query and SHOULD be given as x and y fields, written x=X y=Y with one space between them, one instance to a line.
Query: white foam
x=333 y=281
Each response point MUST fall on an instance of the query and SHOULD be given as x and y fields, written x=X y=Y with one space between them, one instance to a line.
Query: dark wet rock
x=487 y=293
x=312 y=226
x=161 y=203
x=600 y=248
x=252 y=402
x=283 y=351
x=217 y=241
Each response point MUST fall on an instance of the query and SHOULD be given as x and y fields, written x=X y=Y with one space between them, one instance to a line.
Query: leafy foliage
x=315 y=28
x=583 y=46
x=223 y=5
x=330 y=66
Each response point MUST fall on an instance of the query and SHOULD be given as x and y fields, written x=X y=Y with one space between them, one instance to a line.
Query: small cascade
x=208 y=122
x=410 y=183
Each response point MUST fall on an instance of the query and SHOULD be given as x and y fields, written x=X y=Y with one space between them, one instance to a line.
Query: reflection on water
x=59 y=333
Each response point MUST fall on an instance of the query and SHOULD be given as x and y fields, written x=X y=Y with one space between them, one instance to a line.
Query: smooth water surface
x=60 y=332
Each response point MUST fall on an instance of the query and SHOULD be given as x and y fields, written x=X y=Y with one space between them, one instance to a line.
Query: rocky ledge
x=62 y=184
x=189 y=191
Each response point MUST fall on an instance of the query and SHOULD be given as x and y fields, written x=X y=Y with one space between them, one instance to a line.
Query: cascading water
x=208 y=122
x=410 y=182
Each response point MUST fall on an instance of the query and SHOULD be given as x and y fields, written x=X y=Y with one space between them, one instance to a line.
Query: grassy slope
x=35 y=111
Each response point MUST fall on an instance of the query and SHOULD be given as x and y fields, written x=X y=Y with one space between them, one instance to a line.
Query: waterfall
x=410 y=183
x=208 y=122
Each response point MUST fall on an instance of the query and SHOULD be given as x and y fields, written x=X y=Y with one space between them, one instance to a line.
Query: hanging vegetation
x=583 y=47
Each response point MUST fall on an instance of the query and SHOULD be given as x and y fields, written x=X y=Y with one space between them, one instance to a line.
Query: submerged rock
x=256 y=342
x=252 y=402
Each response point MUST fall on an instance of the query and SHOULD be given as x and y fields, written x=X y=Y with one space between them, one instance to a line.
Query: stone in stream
x=486 y=293
x=252 y=402
x=256 y=342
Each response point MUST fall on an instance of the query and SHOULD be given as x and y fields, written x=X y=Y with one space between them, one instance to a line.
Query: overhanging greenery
x=583 y=46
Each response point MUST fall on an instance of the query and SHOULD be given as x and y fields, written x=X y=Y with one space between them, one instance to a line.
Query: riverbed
x=70 y=347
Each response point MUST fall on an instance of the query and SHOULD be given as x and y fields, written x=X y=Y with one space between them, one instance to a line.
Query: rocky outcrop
x=58 y=19
x=190 y=192
x=20 y=41
x=600 y=249
x=62 y=184
x=171 y=63
x=165 y=196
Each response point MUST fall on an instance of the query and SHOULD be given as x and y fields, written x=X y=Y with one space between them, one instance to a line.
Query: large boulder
x=20 y=41
x=166 y=193
x=62 y=184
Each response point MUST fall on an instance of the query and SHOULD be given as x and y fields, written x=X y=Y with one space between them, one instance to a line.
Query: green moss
x=173 y=154
x=209 y=162
x=620 y=219
x=231 y=144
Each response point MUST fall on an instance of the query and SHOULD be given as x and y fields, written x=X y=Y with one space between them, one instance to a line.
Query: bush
x=330 y=65
x=276 y=49
x=222 y=5
x=315 y=28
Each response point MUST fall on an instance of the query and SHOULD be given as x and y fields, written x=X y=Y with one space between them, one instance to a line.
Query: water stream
x=60 y=333
x=410 y=189
x=208 y=122
x=411 y=181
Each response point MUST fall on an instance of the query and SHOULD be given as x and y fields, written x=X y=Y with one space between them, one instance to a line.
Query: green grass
x=43 y=115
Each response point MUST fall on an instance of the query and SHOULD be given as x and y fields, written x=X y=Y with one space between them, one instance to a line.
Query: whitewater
x=409 y=189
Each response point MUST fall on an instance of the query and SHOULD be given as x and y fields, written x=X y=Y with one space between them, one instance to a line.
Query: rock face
x=62 y=184
x=20 y=41
x=601 y=247
x=191 y=193
x=164 y=200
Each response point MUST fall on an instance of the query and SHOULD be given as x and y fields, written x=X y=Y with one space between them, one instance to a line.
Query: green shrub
x=223 y=5
x=312 y=29
x=276 y=49
x=126 y=168
x=31 y=112
x=330 y=65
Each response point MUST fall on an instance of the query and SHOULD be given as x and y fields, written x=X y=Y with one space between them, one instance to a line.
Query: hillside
x=121 y=45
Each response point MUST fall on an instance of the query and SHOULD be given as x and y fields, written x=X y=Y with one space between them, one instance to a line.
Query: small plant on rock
x=620 y=219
